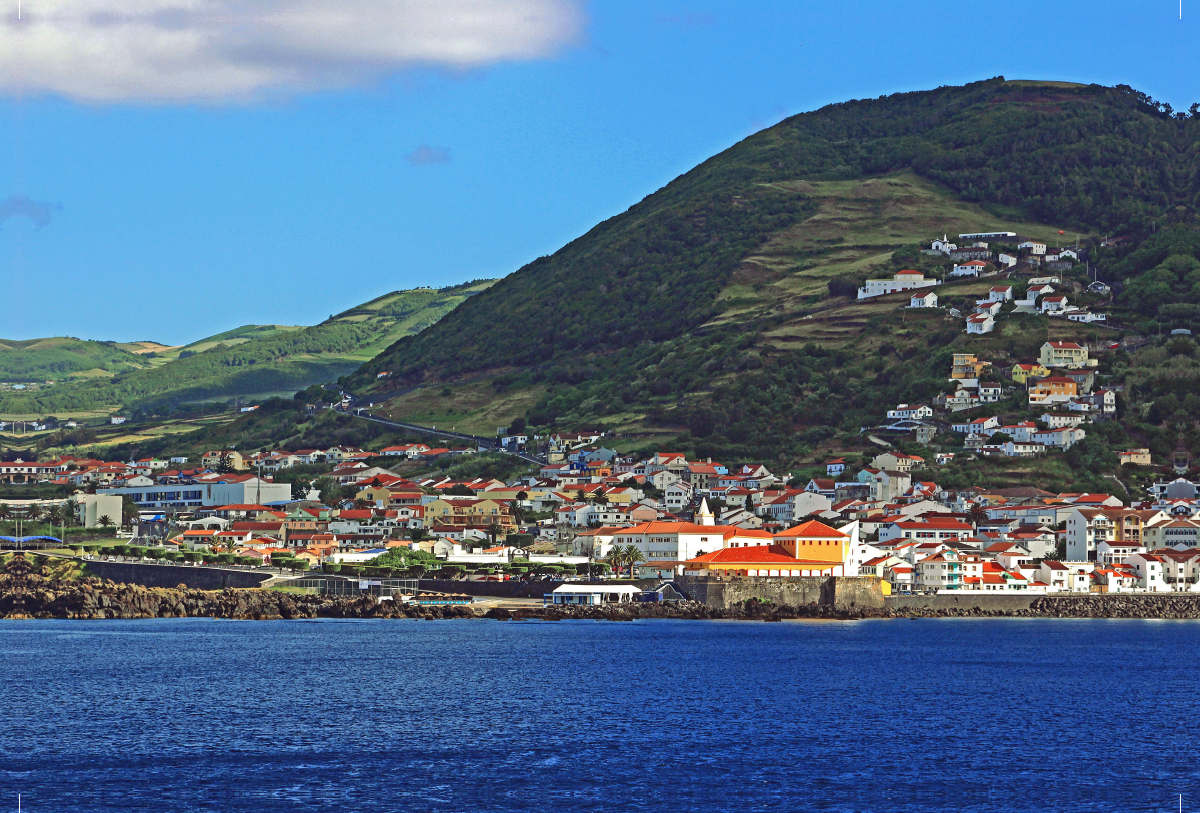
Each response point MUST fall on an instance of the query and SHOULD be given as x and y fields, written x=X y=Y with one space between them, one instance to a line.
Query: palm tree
x=70 y=510
x=493 y=531
x=105 y=521
x=615 y=557
x=978 y=514
x=632 y=556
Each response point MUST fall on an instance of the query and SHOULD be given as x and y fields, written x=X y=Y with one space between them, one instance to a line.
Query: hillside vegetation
x=248 y=361
x=713 y=313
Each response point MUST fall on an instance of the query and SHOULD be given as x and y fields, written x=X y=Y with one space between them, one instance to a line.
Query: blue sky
x=320 y=180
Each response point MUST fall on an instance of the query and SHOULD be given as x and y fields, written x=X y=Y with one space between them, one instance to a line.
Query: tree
x=129 y=510
x=330 y=490
x=978 y=514
x=362 y=503
x=615 y=557
x=225 y=464
x=105 y=521
x=70 y=510
x=632 y=556
x=493 y=531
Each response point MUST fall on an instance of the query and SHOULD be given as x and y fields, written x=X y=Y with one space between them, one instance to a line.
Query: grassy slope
x=250 y=360
x=856 y=226
x=60 y=357
x=753 y=358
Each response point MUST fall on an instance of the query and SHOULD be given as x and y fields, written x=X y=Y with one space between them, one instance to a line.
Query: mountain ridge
x=707 y=315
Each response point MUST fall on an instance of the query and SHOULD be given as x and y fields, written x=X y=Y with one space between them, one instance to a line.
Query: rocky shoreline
x=37 y=591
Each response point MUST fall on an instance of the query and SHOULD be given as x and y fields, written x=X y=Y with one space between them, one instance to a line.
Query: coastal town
x=594 y=512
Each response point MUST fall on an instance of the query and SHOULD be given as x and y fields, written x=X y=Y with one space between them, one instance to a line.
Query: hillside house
x=978 y=426
x=971 y=268
x=1000 y=293
x=1064 y=354
x=1021 y=373
x=902 y=281
x=1033 y=247
x=897 y=461
x=925 y=300
x=966 y=254
x=1135 y=457
x=980 y=323
x=943 y=245
x=1054 y=304
x=835 y=467
x=1052 y=391
x=989 y=306
x=967 y=366
x=909 y=412
x=990 y=393
x=1063 y=438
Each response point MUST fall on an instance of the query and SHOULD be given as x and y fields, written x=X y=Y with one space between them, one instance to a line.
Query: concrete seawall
x=988 y=602
x=200 y=578
x=514 y=589
x=842 y=593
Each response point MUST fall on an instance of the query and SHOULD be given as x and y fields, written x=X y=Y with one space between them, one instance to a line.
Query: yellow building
x=467 y=513
x=815 y=541
x=1021 y=373
x=967 y=365
x=1053 y=390
x=757 y=560
x=1064 y=354
x=212 y=460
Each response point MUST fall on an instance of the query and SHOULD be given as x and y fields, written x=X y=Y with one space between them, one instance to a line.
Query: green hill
x=40 y=360
x=253 y=360
x=713 y=312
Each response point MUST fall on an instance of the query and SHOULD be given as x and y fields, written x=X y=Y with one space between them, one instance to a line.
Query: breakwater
x=48 y=588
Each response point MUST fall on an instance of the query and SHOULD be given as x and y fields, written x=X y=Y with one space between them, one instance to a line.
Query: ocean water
x=956 y=715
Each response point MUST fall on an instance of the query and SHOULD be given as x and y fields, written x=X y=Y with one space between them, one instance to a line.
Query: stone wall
x=200 y=578
x=516 y=588
x=972 y=600
x=843 y=593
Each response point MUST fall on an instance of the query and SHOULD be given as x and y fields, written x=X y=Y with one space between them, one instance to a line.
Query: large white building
x=242 y=490
x=903 y=281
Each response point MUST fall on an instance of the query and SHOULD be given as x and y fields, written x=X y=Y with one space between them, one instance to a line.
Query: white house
x=972 y=268
x=990 y=393
x=1150 y=572
x=989 y=306
x=926 y=300
x=902 y=281
x=1053 y=304
x=1034 y=291
x=1034 y=247
x=980 y=323
x=1063 y=438
x=1000 y=293
x=979 y=426
x=1087 y=317
x=1007 y=260
x=943 y=245
x=913 y=412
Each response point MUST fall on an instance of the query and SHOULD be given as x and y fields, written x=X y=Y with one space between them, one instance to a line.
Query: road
x=485 y=443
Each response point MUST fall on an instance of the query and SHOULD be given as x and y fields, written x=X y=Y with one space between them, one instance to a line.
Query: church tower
x=704 y=514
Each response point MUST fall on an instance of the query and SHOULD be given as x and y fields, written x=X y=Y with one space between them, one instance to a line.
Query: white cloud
x=215 y=50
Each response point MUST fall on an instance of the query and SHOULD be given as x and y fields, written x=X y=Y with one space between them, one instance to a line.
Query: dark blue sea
x=956 y=715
